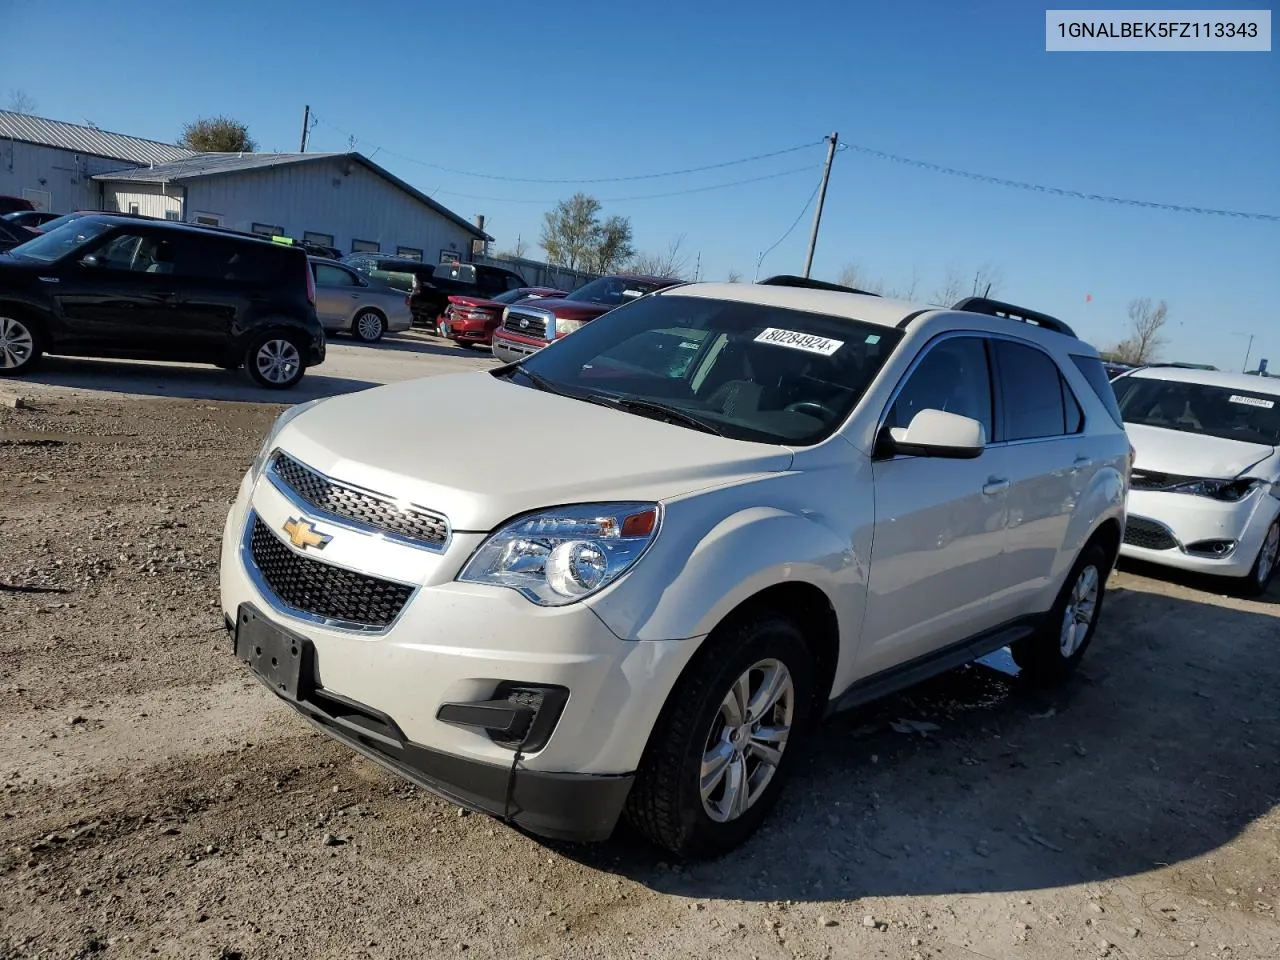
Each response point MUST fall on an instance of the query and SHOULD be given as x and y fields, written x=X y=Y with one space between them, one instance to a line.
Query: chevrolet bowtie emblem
x=303 y=534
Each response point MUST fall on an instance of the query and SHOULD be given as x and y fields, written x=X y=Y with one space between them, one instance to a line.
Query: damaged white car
x=1205 y=489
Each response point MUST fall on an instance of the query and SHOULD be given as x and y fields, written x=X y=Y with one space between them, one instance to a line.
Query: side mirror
x=936 y=433
x=92 y=260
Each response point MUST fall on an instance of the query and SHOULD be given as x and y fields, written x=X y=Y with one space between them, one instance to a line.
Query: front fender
x=693 y=577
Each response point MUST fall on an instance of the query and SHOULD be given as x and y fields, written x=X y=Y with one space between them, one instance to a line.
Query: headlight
x=260 y=461
x=564 y=326
x=555 y=557
x=1229 y=490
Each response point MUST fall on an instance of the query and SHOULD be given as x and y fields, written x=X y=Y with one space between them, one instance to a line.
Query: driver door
x=940 y=524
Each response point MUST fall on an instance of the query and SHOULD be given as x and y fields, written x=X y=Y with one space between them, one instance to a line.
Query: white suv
x=635 y=568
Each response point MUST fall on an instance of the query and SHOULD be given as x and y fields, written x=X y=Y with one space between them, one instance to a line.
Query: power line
x=1057 y=191
x=647 y=196
x=799 y=217
x=352 y=138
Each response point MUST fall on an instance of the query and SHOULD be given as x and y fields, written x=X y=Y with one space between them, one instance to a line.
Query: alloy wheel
x=369 y=326
x=747 y=737
x=1267 y=558
x=1082 y=605
x=16 y=343
x=278 y=361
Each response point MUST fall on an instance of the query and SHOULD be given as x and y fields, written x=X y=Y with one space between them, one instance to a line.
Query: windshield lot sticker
x=1252 y=401
x=823 y=346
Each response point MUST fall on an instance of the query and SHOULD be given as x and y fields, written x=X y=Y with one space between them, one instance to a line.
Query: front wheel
x=1264 y=567
x=720 y=751
x=369 y=326
x=1056 y=649
x=274 y=361
x=20 y=345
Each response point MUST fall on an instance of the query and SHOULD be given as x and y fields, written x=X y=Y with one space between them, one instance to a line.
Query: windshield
x=1232 y=413
x=612 y=291
x=747 y=371
x=61 y=241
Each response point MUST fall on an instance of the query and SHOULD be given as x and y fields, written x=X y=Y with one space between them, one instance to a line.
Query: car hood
x=481 y=450
x=570 y=309
x=1193 y=454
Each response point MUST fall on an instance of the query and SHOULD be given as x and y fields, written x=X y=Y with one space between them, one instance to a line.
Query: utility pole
x=822 y=196
x=306 y=127
x=1247 y=350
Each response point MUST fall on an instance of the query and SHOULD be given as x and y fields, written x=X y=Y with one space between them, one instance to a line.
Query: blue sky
x=589 y=90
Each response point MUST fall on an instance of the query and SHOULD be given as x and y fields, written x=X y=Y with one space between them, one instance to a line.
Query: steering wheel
x=811 y=407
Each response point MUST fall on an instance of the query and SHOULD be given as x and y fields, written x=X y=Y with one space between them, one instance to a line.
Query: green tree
x=574 y=236
x=217 y=135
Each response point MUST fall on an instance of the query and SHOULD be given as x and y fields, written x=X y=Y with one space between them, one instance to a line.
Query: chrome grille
x=1141 y=532
x=527 y=322
x=318 y=589
x=358 y=506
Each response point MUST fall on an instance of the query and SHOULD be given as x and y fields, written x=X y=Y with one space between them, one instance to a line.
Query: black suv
x=119 y=287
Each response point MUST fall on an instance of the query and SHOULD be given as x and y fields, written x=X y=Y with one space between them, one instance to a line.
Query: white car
x=716 y=514
x=1205 y=492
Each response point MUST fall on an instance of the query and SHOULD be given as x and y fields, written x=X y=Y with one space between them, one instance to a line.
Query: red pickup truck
x=528 y=327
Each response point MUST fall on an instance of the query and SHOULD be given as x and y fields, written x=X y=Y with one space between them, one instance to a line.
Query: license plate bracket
x=284 y=660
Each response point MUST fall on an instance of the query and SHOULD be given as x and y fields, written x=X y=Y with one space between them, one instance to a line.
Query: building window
x=267 y=230
x=319 y=239
x=171 y=215
x=206 y=219
x=364 y=246
x=409 y=253
x=449 y=256
x=133 y=208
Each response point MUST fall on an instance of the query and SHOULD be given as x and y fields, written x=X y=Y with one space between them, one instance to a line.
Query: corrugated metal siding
x=539 y=274
x=323 y=199
x=153 y=200
x=66 y=178
x=79 y=139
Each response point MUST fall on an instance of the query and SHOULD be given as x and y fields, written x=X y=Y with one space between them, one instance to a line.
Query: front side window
x=954 y=377
x=73 y=235
x=747 y=371
x=1032 y=393
x=1232 y=413
x=136 y=253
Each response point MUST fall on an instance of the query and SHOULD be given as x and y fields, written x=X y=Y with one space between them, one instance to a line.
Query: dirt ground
x=158 y=802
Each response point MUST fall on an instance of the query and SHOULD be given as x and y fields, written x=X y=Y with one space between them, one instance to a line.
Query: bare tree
x=987 y=281
x=852 y=275
x=21 y=102
x=217 y=135
x=908 y=290
x=733 y=277
x=574 y=236
x=517 y=251
x=950 y=289
x=1144 y=340
x=673 y=263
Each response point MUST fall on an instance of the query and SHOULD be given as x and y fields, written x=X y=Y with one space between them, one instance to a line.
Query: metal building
x=341 y=200
x=52 y=164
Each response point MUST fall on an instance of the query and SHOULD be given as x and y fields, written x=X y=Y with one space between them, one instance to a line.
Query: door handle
x=994 y=486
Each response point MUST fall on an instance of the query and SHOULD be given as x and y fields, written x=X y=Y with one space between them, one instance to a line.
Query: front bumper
x=1180 y=529
x=509 y=348
x=458 y=643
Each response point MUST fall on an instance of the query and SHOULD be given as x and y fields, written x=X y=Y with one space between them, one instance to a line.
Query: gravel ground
x=158 y=802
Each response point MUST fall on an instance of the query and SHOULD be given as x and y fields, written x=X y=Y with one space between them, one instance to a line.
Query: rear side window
x=1032 y=393
x=1096 y=373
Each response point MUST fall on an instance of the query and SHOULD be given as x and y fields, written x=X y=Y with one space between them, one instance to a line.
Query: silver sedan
x=349 y=303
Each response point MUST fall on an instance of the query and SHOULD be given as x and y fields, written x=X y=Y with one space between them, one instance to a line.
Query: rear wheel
x=720 y=751
x=1057 y=648
x=21 y=344
x=369 y=326
x=274 y=360
x=1264 y=567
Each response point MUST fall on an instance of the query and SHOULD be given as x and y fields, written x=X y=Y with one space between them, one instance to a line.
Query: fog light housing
x=519 y=715
x=1217 y=549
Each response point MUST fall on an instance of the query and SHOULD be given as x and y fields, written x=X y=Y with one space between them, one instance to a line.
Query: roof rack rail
x=788 y=280
x=1181 y=365
x=998 y=308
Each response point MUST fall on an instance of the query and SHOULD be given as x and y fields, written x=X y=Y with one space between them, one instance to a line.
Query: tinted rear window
x=1096 y=373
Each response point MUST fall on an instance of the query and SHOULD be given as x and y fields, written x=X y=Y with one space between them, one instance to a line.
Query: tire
x=368 y=326
x=667 y=804
x=21 y=344
x=274 y=360
x=1264 y=565
x=1056 y=649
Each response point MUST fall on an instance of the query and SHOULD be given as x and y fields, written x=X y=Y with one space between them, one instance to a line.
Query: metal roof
x=90 y=140
x=200 y=165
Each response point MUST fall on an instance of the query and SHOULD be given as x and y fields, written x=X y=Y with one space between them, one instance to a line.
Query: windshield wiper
x=542 y=383
x=672 y=414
